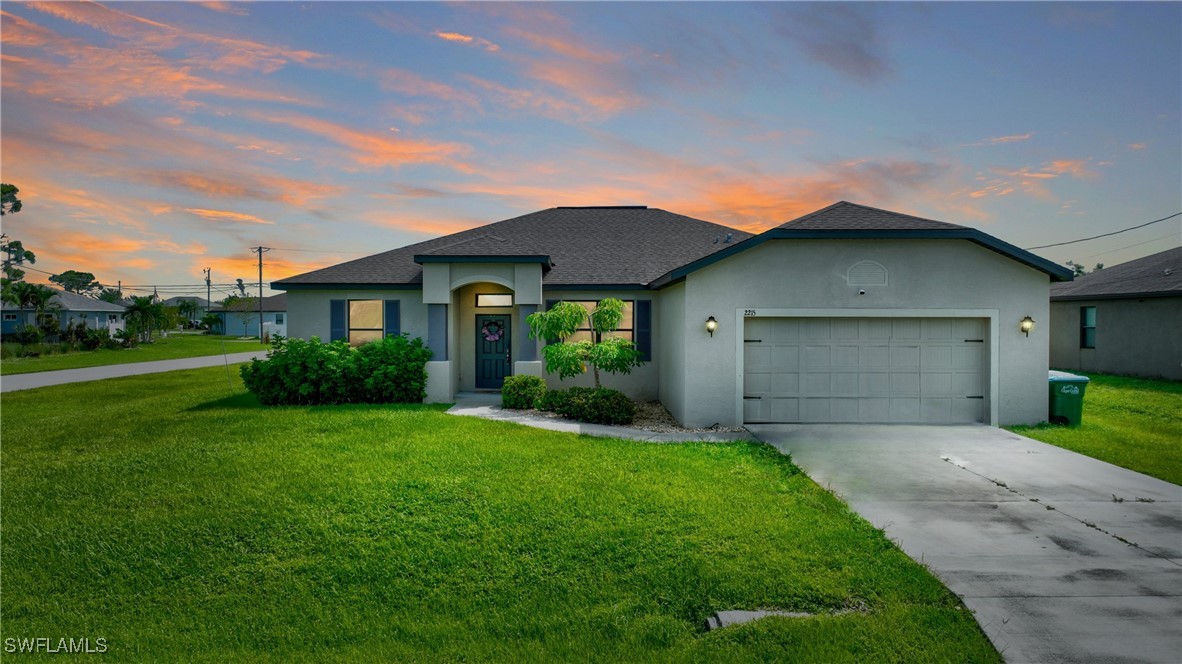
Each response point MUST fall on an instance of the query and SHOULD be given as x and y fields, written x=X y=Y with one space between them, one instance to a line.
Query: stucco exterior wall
x=464 y=324
x=1135 y=337
x=308 y=310
x=669 y=347
x=923 y=276
x=643 y=382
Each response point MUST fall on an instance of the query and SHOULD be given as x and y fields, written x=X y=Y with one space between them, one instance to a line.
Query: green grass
x=1134 y=423
x=179 y=520
x=173 y=347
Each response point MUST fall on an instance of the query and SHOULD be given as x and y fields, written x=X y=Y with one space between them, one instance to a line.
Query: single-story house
x=244 y=320
x=1125 y=319
x=847 y=314
x=70 y=309
x=202 y=303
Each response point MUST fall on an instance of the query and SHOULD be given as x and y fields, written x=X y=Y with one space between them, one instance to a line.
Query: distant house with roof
x=848 y=314
x=1125 y=319
x=242 y=318
x=70 y=309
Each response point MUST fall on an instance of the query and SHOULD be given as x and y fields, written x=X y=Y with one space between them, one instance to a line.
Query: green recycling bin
x=1067 y=394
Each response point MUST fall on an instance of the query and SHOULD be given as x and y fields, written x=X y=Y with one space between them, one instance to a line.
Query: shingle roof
x=75 y=302
x=270 y=303
x=846 y=216
x=586 y=246
x=1156 y=275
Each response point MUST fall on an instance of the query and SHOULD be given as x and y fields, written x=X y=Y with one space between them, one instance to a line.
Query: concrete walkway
x=488 y=406
x=46 y=378
x=1061 y=557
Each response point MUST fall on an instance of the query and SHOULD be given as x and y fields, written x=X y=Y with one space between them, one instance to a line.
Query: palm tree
x=144 y=315
x=29 y=296
x=187 y=309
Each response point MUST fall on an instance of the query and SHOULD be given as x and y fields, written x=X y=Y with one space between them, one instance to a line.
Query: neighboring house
x=848 y=314
x=175 y=301
x=245 y=322
x=71 y=308
x=1125 y=319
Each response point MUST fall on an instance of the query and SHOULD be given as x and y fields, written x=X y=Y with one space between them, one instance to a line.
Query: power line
x=1096 y=237
x=1109 y=251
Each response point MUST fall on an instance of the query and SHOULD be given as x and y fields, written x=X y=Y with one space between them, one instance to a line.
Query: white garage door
x=921 y=370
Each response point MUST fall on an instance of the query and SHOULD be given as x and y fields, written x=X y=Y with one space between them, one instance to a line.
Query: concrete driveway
x=1062 y=558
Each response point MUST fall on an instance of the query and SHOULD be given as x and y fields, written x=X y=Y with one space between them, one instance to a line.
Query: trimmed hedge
x=309 y=373
x=522 y=392
x=589 y=404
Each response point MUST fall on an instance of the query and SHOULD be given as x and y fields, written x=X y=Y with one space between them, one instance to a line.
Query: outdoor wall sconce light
x=1026 y=325
x=711 y=325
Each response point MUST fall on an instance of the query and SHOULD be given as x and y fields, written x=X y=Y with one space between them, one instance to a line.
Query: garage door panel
x=785 y=384
x=816 y=384
x=785 y=410
x=864 y=370
x=905 y=357
x=905 y=410
x=785 y=358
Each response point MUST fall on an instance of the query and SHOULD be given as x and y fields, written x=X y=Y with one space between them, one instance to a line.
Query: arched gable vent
x=866 y=273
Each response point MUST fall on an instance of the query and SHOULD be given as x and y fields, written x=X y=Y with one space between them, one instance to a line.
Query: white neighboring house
x=847 y=314
x=72 y=308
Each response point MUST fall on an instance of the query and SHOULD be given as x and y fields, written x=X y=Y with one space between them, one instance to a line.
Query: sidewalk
x=488 y=406
x=46 y=378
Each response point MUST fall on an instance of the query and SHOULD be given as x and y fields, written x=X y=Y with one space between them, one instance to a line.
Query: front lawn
x=1135 y=423
x=173 y=347
x=181 y=521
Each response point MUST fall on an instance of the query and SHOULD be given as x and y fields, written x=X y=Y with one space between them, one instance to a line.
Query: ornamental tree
x=571 y=358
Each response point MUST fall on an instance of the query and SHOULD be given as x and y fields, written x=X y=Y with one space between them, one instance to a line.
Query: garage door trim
x=992 y=315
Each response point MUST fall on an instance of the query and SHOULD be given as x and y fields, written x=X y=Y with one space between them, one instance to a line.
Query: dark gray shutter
x=337 y=320
x=643 y=328
x=393 y=318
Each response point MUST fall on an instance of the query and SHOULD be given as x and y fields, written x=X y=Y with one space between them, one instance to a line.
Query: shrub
x=589 y=404
x=27 y=335
x=299 y=372
x=95 y=339
x=522 y=392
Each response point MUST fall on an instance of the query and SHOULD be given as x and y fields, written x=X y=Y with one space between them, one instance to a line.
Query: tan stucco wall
x=464 y=324
x=1136 y=337
x=924 y=277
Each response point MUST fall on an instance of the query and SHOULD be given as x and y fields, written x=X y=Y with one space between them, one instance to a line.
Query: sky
x=152 y=140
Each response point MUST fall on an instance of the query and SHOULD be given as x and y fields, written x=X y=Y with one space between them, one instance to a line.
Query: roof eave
x=1114 y=296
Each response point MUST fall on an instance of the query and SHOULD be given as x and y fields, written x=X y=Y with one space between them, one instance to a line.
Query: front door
x=492 y=350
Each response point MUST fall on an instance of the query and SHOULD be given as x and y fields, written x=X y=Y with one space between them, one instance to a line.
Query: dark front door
x=492 y=350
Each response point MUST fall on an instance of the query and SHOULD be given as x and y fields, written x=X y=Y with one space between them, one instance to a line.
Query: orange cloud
x=226 y=216
x=1138 y=146
x=467 y=39
x=565 y=45
x=225 y=7
x=376 y=150
x=999 y=140
x=410 y=83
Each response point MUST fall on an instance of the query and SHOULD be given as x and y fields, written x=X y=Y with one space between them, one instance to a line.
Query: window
x=494 y=299
x=365 y=321
x=112 y=318
x=1087 y=327
x=279 y=319
x=9 y=317
x=625 y=330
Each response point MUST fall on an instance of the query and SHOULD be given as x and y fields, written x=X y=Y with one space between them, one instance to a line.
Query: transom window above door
x=485 y=300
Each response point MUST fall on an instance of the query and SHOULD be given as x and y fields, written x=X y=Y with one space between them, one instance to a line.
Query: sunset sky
x=151 y=140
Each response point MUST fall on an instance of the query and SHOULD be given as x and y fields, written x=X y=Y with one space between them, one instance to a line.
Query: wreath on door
x=492 y=331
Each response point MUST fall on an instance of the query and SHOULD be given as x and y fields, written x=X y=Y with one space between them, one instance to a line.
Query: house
x=202 y=303
x=1125 y=319
x=848 y=314
x=243 y=318
x=70 y=309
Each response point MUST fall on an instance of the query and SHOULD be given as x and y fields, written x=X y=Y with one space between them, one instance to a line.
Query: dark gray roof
x=846 y=216
x=75 y=302
x=174 y=301
x=1156 y=275
x=586 y=246
x=270 y=303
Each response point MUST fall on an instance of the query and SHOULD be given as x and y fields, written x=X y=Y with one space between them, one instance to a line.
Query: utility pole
x=260 y=251
x=208 y=294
